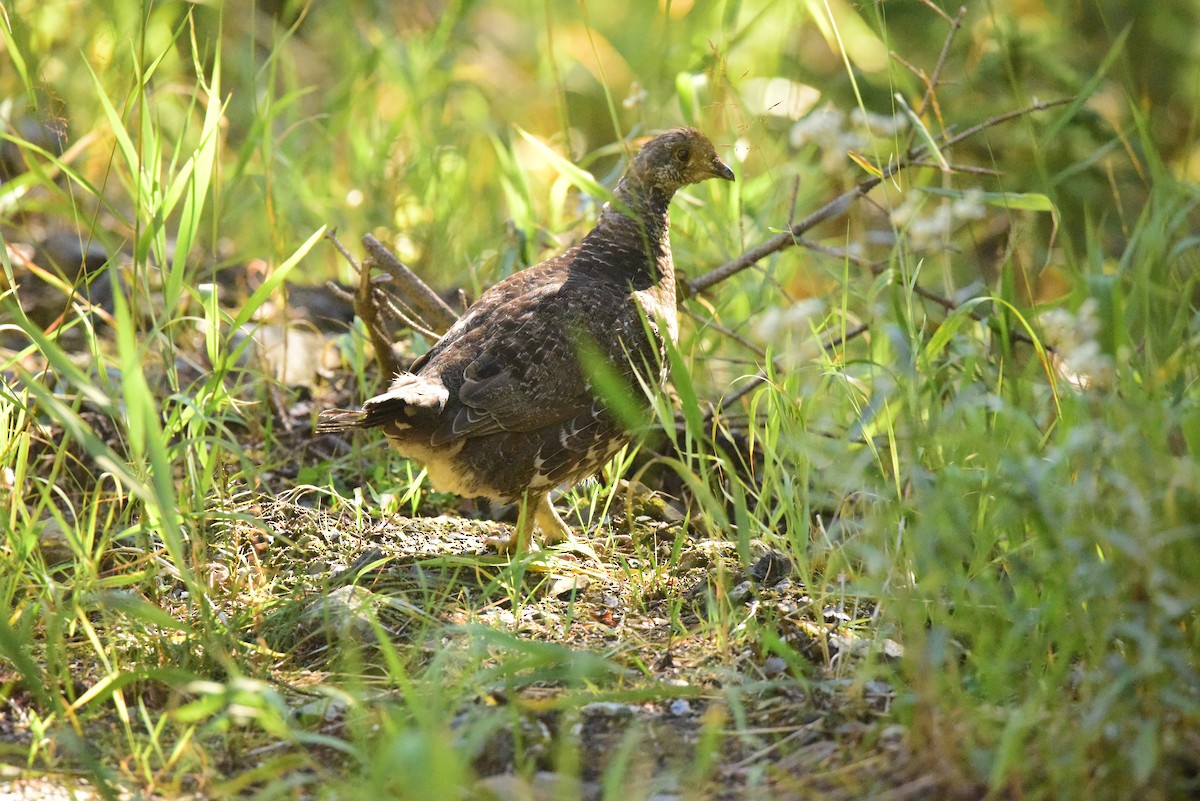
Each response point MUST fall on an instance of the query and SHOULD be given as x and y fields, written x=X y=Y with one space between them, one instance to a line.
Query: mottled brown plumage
x=501 y=406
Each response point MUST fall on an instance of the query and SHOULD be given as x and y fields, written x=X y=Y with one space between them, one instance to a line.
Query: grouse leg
x=536 y=512
x=554 y=529
x=521 y=539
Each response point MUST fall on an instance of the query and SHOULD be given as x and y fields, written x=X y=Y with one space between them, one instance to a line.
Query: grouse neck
x=643 y=201
x=638 y=223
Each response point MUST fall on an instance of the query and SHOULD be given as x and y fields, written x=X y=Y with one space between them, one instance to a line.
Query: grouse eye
x=682 y=155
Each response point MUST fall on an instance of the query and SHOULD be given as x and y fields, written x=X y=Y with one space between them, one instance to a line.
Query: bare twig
x=403 y=316
x=933 y=7
x=795 y=196
x=368 y=310
x=426 y=304
x=936 y=78
x=789 y=237
x=834 y=207
x=338 y=292
x=413 y=304
x=1033 y=107
x=957 y=168
x=843 y=201
x=331 y=235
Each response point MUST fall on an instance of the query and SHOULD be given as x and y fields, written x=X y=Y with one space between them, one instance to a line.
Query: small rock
x=740 y=592
x=320 y=711
x=608 y=709
x=893 y=736
x=771 y=568
x=774 y=666
x=72 y=253
x=543 y=786
x=832 y=613
x=345 y=613
x=680 y=707
x=53 y=543
x=568 y=588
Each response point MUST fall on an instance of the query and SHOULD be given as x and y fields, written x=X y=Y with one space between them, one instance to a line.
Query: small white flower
x=932 y=229
x=969 y=206
x=882 y=126
x=1078 y=356
x=1089 y=318
x=741 y=149
x=637 y=95
x=768 y=324
x=903 y=214
x=822 y=127
x=788 y=330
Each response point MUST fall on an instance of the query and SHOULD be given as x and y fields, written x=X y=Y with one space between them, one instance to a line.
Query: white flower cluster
x=834 y=132
x=786 y=329
x=1077 y=354
x=880 y=126
x=933 y=229
x=637 y=95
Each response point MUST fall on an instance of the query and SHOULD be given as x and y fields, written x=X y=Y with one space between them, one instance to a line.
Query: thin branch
x=1007 y=117
x=795 y=197
x=368 y=310
x=787 y=238
x=843 y=202
x=404 y=316
x=935 y=79
x=331 y=235
x=426 y=304
x=957 y=168
x=413 y=304
x=933 y=7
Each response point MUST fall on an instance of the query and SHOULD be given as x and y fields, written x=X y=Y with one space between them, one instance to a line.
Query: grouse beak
x=721 y=170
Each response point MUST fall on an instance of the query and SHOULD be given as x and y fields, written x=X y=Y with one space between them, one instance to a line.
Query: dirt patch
x=624 y=660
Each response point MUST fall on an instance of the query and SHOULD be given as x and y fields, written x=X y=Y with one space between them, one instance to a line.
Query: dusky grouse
x=501 y=406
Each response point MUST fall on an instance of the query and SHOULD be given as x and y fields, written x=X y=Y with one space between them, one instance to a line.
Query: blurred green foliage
x=381 y=116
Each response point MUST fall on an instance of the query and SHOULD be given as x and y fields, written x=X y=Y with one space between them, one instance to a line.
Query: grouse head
x=673 y=160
